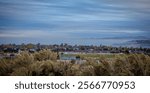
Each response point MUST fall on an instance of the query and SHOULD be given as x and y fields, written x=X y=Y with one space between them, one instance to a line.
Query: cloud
x=64 y=18
x=31 y=34
x=65 y=10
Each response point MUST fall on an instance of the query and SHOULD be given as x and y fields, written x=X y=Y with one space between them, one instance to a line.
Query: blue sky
x=42 y=21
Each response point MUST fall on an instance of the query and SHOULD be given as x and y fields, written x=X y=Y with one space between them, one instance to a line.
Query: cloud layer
x=74 y=18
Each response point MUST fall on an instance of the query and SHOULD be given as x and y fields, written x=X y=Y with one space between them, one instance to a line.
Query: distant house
x=11 y=50
x=32 y=50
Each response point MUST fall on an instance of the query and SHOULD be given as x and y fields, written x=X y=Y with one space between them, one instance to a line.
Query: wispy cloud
x=61 y=18
x=32 y=34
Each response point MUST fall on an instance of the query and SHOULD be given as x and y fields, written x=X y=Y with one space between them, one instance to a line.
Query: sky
x=54 y=21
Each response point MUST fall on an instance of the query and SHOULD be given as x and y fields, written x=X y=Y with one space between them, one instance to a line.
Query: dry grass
x=44 y=63
x=45 y=55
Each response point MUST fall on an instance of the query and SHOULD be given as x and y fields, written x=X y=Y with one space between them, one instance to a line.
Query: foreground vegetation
x=45 y=63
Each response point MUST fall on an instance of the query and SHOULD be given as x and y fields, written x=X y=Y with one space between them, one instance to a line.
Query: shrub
x=121 y=68
x=22 y=71
x=43 y=68
x=44 y=63
x=45 y=55
x=23 y=59
x=87 y=70
x=5 y=67
x=73 y=70
x=139 y=64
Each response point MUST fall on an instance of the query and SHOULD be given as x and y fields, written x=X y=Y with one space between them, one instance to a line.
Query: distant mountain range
x=124 y=37
x=138 y=43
